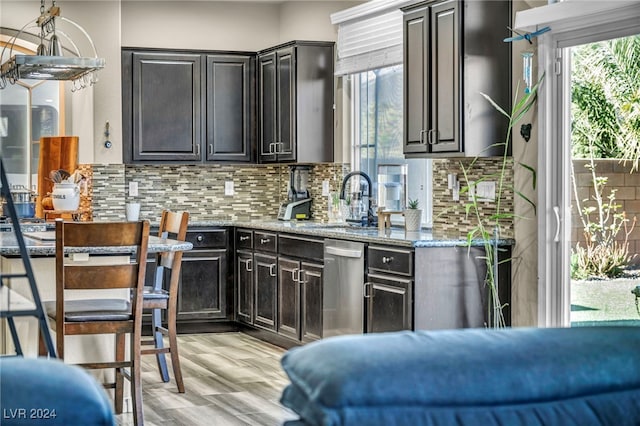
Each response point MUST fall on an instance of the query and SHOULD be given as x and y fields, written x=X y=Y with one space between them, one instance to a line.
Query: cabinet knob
x=244 y=237
x=199 y=238
x=264 y=240
x=386 y=259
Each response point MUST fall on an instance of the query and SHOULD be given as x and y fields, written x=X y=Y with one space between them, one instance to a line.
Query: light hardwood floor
x=230 y=379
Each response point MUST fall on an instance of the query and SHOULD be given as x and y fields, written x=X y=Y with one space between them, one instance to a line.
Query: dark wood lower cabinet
x=266 y=290
x=203 y=282
x=244 y=287
x=300 y=299
x=311 y=298
x=388 y=303
x=289 y=298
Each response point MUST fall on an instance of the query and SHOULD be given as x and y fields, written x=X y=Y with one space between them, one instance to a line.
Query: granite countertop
x=391 y=236
x=37 y=247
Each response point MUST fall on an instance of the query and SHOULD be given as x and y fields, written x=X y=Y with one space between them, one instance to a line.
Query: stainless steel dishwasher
x=343 y=293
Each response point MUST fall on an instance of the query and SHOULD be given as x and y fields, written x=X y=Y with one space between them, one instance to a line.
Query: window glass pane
x=377 y=136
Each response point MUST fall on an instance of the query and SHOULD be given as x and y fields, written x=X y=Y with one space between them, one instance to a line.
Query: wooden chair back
x=76 y=271
x=173 y=225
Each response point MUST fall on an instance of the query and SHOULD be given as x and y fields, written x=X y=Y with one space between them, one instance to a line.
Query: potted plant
x=412 y=216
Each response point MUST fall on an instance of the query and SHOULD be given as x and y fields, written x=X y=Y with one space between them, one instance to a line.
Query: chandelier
x=49 y=63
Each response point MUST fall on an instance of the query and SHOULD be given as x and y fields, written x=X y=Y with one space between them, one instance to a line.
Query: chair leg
x=156 y=323
x=173 y=344
x=136 y=385
x=42 y=350
x=119 y=394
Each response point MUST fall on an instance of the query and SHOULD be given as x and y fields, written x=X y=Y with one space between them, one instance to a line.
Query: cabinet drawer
x=265 y=241
x=208 y=238
x=301 y=247
x=244 y=239
x=386 y=259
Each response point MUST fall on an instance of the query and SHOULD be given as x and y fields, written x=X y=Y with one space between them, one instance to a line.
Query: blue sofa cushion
x=40 y=391
x=519 y=376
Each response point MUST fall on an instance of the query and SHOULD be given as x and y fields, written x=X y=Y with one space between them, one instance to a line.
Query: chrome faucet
x=371 y=220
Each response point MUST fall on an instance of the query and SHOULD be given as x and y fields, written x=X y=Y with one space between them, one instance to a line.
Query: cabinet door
x=166 y=107
x=267 y=106
x=285 y=104
x=229 y=87
x=416 y=81
x=311 y=297
x=289 y=298
x=202 y=293
x=389 y=301
x=266 y=288
x=244 y=288
x=445 y=96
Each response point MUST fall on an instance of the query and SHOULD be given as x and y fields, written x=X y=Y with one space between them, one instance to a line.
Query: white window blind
x=369 y=36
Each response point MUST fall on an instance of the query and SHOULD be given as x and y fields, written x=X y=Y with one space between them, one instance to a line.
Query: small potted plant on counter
x=412 y=216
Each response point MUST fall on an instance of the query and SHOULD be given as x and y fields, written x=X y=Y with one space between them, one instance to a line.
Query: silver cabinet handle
x=272 y=270
x=244 y=237
x=556 y=211
x=198 y=150
x=295 y=275
x=433 y=141
x=199 y=238
x=249 y=265
x=369 y=286
x=422 y=132
x=302 y=277
x=271 y=147
x=210 y=149
x=387 y=260
x=264 y=240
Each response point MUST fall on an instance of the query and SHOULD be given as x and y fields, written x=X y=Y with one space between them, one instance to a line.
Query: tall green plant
x=488 y=229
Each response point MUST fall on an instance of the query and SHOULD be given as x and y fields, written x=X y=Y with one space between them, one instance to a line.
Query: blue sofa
x=40 y=391
x=518 y=376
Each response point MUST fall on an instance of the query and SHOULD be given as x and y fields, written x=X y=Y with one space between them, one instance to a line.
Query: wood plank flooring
x=230 y=379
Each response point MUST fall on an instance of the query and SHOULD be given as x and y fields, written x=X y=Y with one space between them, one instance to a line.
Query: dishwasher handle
x=342 y=252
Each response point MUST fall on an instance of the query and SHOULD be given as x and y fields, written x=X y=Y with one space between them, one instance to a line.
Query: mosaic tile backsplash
x=260 y=189
x=449 y=216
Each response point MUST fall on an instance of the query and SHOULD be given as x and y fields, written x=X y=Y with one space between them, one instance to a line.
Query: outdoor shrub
x=602 y=254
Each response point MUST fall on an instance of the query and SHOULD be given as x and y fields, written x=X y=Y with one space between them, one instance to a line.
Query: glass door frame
x=554 y=152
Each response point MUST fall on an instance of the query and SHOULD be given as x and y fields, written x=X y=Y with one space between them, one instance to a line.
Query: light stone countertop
x=9 y=246
x=396 y=236
x=391 y=236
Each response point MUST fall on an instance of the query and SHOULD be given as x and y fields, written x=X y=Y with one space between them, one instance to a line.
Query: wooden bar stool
x=157 y=298
x=78 y=269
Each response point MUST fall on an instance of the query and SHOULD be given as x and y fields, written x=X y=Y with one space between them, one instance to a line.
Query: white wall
x=211 y=25
x=524 y=287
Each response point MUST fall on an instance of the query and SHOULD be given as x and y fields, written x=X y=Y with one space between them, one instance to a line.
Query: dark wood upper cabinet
x=453 y=52
x=229 y=108
x=295 y=103
x=187 y=106
x=163 y=113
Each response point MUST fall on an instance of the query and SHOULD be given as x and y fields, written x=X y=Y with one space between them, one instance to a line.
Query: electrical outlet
x=228 y=188
x=483 y=191
x=325 y=188
x=133 y=189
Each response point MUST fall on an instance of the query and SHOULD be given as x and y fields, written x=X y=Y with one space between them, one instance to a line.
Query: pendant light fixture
x=49 y=63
